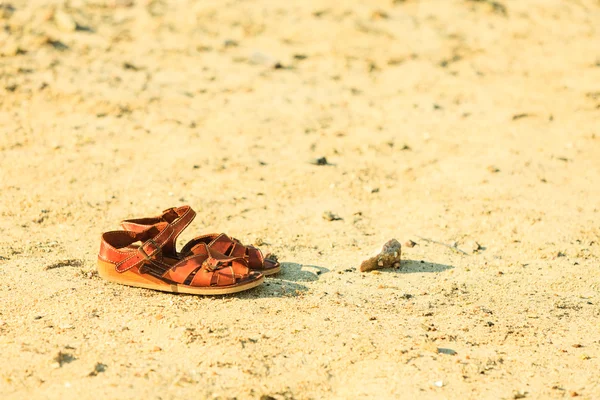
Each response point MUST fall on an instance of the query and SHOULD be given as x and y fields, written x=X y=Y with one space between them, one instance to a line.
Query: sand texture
x=318 y=130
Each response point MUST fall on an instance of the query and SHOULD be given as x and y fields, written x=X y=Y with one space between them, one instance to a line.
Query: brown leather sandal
x=204 y=272
x=179 y=218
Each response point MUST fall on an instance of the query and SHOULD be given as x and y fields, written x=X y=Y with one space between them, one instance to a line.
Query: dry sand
x=468 y=123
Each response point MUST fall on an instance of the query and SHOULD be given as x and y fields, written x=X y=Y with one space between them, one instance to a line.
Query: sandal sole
x=107 y=271
x=268 y=272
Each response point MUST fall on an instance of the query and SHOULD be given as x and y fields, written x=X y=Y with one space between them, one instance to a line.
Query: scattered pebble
x=493 y=169
x=264 y=59
x=6 y=10
x=410 y=243
x=519 y=116
x=64 y=21
x=329 y=216
x=98 y=368
x=446 y=351
x=438 y=383
x=389 y=256
x=379 y=14
x=473 y=246
x=62 y=358
x=320 y=161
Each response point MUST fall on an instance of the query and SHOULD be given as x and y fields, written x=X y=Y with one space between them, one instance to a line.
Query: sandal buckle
x=212 y=264
x=146 y=255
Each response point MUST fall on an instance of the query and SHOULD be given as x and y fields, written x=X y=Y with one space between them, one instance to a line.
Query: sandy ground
x=475 y=124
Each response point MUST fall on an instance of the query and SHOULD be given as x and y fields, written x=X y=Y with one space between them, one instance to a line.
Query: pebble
x=9 y=49
x=64 y=21
x=264 y=59
x=320 y=161
x=98 y=368
x=330 y=216
x=388 y=256
x=474 y=246
x=6 y=10
x=410 y=243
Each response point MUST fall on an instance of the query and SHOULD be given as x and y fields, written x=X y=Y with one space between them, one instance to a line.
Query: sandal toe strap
x=208 y=268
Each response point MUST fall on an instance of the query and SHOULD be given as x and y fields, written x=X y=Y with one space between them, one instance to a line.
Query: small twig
x=454 y=248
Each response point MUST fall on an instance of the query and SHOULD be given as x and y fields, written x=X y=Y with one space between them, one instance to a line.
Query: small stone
x=98 y=368
x=329 y=216
x=473 y=246
x=9 y=49
x=62 y=358
x=320 y=161
x=64 y=21
x=410 y=243
x=438 y=383
x=493 y=169
x=379 y=14
x=388 y=256
x=264 y=59
x=447 y=351
x=156 y=348
x=6 y=10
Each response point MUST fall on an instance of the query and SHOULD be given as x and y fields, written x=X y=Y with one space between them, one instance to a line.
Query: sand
x=469 y=127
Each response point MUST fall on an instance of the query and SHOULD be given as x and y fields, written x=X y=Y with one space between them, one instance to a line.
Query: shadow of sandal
x=295 y=272
x=413 y=266
x=285 y=283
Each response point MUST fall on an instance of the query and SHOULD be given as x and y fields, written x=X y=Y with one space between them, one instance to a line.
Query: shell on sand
x=388 y=257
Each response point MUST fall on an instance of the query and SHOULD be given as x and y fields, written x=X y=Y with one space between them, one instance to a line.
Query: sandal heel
x=107 y=271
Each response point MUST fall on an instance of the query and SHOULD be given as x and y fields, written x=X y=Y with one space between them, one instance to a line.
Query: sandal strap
x=125 y=260
x=179 y=218
x=206 y=268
